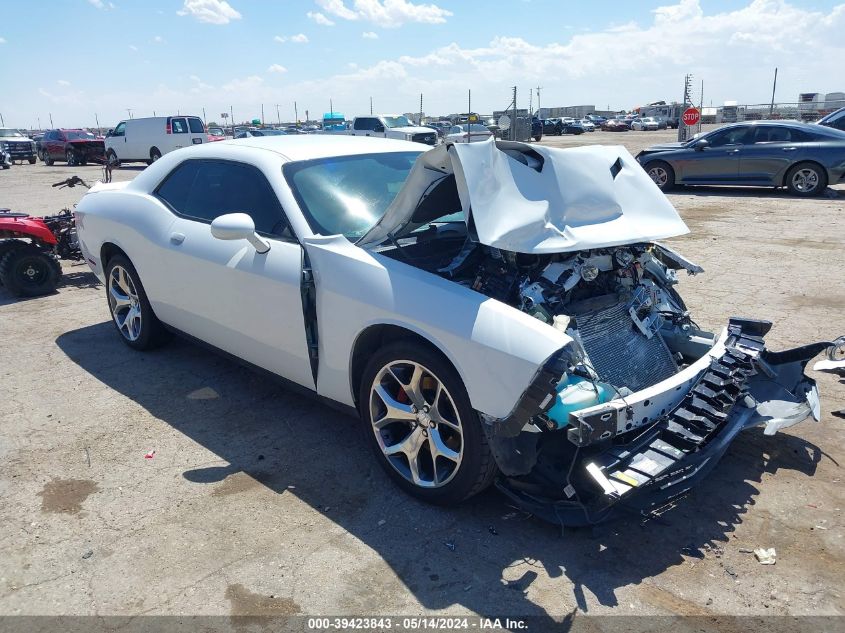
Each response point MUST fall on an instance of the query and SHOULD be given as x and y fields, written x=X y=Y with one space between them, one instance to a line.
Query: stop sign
x=691 y=116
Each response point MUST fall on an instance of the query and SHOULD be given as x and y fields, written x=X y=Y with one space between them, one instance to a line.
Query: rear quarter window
x=196 y=126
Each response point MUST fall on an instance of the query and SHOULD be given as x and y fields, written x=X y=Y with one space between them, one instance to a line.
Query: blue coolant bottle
x=575 y=393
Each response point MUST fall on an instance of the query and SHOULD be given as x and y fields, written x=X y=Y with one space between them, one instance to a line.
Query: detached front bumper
x=621 y=461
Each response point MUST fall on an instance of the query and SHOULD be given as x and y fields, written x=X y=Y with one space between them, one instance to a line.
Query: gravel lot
x=260 y=501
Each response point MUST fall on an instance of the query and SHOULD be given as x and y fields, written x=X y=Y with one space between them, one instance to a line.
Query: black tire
x=152 y=333
x=32 y=160
x=46 y=158
x=7 y=246
x=799 y=186
x=661 y=174
x=155 y=154
x=112 y=160
x=476 y=469
x=70 y=157
x=82 y=161
x=28 y=271
x=537 y=138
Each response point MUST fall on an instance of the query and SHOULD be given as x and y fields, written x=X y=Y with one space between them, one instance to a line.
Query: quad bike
x=30 y=248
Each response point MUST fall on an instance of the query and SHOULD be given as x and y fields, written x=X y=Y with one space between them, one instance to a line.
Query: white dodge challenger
x=493 y=311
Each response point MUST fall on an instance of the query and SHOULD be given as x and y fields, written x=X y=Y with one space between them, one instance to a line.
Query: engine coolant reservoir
x=575 y=393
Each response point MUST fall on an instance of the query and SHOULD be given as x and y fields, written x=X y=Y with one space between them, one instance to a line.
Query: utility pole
x=278 y=116
x=97 y=119
x=204 y=119
x=3 y=123
x=683 y=131
x=774 y=85
x=371 y=105
x=700 y=105
x=513 y=125
x=539 y=88
x=531 y=102
x=421 y=110
x=262 y=114
x=331 y=107
x=39 y=122
x=232 y=119
x=296 y=114
x=51 y=120
x=129 y=110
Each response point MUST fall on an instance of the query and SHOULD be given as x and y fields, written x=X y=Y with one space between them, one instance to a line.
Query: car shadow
x=747 y=192
x=82 y=278
x=483 y=555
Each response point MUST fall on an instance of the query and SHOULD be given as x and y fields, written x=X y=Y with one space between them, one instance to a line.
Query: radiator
x=620 y=353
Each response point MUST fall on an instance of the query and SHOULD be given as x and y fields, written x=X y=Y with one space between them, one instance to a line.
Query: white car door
x=225 y=293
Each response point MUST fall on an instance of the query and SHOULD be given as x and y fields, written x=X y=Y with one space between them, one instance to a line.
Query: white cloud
x=63 y=82
x=319 y=18
x=299 y=38
x=2 y=40
x=247 y=85
x=277 y=68
x=134 y=48
x=369 y=35
x=158 y=39
x=210 y=11
x=99 y=4
x=386 y=13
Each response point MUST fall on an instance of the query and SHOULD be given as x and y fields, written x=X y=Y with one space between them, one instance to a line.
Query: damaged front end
x=641 y=403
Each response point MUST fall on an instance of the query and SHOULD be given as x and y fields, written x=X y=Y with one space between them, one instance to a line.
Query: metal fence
x=802 y=111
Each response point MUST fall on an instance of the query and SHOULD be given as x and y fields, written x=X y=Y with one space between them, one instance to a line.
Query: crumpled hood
x=535 y=199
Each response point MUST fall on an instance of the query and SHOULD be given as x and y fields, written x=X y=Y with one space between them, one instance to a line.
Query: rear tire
x=806 y=180
x=661 y=174
x=7 y=246
x=132 y=314
x=32 y=160
x=445 y=424
x=28 y=271
x=112 y=160
x=70 y=157
x=155 y=154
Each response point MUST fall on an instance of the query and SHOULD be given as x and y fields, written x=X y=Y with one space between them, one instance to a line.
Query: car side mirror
x=110 y=132
x=701 y=145
x=238 y=226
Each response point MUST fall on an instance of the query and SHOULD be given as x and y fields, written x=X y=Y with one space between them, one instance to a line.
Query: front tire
x=32 y=160
x=806 y=180
x=661 y=174
x=131 y=312
x=155 y=154
x=27 y=271
x=112 y=159
x=45 y=156
x=417 y=418
x=70 y=157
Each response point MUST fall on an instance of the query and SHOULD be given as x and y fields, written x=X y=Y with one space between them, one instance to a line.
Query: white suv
x=393 y=126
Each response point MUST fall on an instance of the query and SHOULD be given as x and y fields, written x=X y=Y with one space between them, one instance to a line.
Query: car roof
x=297 y=147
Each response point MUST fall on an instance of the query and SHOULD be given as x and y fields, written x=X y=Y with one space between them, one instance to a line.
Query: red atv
x=30 y=248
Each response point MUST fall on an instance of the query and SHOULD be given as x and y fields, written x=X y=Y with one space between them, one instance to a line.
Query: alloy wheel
x=805 y=180
x=416 y=423
x=125 y=304
x=659 y=176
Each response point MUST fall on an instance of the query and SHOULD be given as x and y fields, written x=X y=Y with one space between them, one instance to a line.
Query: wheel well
x=375 y=337
x=804 y=162
x=156 y=149
x=108 y=251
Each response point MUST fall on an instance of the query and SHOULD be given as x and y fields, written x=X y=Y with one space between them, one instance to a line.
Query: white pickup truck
x=392 y=126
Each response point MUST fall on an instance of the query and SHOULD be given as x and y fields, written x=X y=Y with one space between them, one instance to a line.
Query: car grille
x=429 y=138
x=621 y=355
x=20 y=149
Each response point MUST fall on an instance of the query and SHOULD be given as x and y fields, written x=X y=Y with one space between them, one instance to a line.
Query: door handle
x=789 y=149
x=177 y=238
x=733 y=151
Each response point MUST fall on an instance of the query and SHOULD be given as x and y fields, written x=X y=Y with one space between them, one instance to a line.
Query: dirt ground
x=260 y=501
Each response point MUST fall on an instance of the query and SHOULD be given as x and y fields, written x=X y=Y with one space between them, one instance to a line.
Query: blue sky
x=75 y=58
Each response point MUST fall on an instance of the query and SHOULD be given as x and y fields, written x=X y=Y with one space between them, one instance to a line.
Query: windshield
x=397 y=121
x=347 y=195
x=77 y=136
x=8 y=133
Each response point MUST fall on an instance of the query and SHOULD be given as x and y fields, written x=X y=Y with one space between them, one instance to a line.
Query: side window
x=364 y=123
x=196 y=125
x=178 y=126
x=205 y=189
x=733 y=136
x=776 y=134
x=120 y=130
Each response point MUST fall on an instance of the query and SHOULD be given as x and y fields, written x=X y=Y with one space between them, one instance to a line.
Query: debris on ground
x=150 y=455
x=766 y=556
x=88 y=554
x=493 y=531
x=450 y=544
x=745 y=550
x=381 y=522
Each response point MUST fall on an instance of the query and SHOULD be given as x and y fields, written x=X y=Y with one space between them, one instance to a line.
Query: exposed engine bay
x=642 y=399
